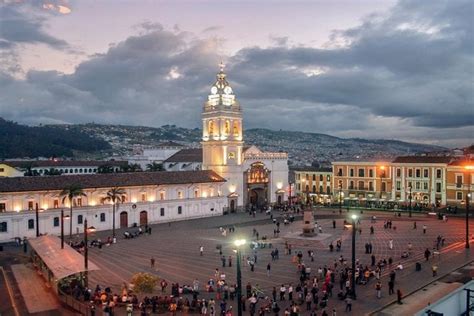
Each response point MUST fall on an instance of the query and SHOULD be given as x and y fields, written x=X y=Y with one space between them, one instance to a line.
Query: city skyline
x=396 y=70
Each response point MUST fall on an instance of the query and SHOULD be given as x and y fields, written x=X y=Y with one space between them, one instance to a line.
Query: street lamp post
x=409 y=197
x=238 y=243
x=340 y=198
x=468 y=175
x=86 y=252
x=62 y=227
x=37 y=211
x=289 y=198
x=354 y=217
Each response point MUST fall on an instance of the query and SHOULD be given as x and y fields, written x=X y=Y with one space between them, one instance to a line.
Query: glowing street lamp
x=238 y=243
x=468 y=169
x=87 y=230
x=354 y=218
x=62 y=227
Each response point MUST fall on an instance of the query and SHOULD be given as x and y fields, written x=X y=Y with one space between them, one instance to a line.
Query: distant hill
x=303 y=148
x=21 y=141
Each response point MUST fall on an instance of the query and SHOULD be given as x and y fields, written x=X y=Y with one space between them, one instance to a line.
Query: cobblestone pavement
x=175 y=247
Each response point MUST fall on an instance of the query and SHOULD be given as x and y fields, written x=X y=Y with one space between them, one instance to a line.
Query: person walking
x=434 y=269
x=390 y=244
x=348 y=304
x=391 y=285
x=282 y=292
x=399 y=296
x=308 y=300
x=424 y=229
x=201 y=250
x=414 y=225
x=427 y=254
x=152 y=263
x=378 y=289
x=230 y=261
x=268 y=269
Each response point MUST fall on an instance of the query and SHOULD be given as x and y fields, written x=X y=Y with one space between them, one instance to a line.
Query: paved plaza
x=175 y=247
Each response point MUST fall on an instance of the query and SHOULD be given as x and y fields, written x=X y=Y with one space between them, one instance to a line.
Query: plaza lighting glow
x=469 y=167
x=279 y=185
x=354 y=217
x=382 y=167
x=240 y=242
x=232 y=188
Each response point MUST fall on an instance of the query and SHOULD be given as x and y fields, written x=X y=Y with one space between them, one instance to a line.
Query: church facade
x=253 y=177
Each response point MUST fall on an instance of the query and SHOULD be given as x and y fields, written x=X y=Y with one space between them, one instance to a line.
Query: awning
x=61 y=262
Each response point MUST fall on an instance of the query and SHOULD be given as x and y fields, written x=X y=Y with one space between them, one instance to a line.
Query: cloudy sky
x=350 y=68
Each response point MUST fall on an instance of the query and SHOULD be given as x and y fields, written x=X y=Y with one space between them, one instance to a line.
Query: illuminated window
x=196 y=193
x=227 y=127
x=180 y=194
x=258 y=173
x=79 y=201
x=143 y=197
x=30 y=205
x=211 y=127
x=3 y=207
x=459 y=196
x=56 y=204
x=236 y=128
x=162 y=195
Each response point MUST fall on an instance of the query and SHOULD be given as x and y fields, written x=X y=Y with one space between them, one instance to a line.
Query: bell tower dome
x=222 y=138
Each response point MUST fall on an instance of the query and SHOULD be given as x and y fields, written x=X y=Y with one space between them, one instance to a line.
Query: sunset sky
x=371 y=69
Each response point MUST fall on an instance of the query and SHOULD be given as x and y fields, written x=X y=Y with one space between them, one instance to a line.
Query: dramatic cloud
x=406 y=74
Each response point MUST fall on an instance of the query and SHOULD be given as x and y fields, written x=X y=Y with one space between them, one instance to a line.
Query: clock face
x=228 y=90
x=214 y=90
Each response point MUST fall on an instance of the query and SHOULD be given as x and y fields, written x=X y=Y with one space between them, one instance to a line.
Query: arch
x=210 y=127
x=279 y=199
x=123 y=219
x=232 y=205
x=227 y=127
x=236 y=128
x=143 y=218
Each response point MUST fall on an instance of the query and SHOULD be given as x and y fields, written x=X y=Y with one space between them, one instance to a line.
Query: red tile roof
x=423 y=159
x=187 y=155
x=62 y=163
x=22 y=184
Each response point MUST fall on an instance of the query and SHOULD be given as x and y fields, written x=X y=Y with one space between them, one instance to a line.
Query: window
x=66 y=171
x=123 y=199
x=351 y=172
x=56 y=221
x=459 y=181
x=31 y=224
x=3 y=207
x=459 y=196
x=438 y=173
x=75 y=170
x=298 y=176
x=417 y=185
x=361 y=185
x=80 y=219
x=361 y=173
x=3 y=227
x=314 y=177
x=410 y=173
x=399 y=185
x=314 y=188
x=399 y=172
x=180 y=194
x=383 y=174
x=383 y=187
x=196 y=193
x=371 y=173
x=438 y=187
x=425 y=186
x=351 y=185
x=102 y=217
x=56 y=204
x=418 y=173
x=328 y=178
x=371 y=186
x=180 y=210
x=162 y=195
x=298 y=187
x=79 y=201
x=425 y=173
x=162 y=211
x=71 y=171
x=321 y=177
x=339 y=173
x=307 y=188
x=30 y=205
x=328 y=190
x=307 y=176
x=2 y=169
x=143 y=197
x=80 y=170
x=321 y=189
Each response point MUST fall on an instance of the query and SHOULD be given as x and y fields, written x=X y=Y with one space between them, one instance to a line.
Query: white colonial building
x=150 y=197
x=253 y=177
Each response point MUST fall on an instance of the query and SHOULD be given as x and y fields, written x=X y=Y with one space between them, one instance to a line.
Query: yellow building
x=459 y=182
x=313 y=182
x=362 y=183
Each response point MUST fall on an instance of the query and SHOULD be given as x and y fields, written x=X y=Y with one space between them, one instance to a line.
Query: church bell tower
x=222 y=138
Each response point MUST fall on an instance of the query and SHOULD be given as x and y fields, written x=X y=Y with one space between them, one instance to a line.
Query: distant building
x=18 y=168
x=312 y=182
x=459 y=182
x=158 y=154
x=184 y=160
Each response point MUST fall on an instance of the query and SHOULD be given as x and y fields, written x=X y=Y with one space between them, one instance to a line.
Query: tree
x=105 y=169
x=114 y=195
x=154 y=166
x=69 y=193
x=144 y=282
x=134 y=167
x=52 y=172
x=28 y=170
